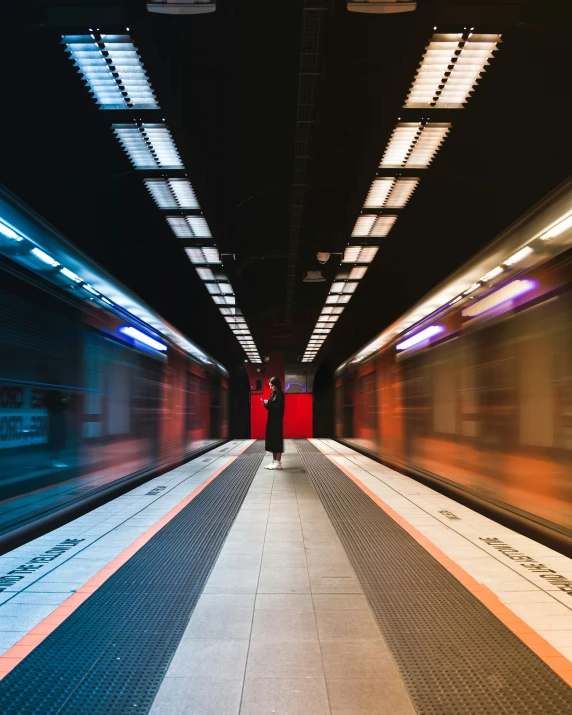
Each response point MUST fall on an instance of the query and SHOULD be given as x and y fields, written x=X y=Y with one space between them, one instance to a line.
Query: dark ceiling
x=228 y=84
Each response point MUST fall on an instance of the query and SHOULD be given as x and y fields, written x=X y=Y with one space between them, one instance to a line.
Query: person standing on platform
x=274 y=439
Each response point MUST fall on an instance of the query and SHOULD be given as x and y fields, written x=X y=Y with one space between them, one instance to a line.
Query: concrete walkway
x=282 y=625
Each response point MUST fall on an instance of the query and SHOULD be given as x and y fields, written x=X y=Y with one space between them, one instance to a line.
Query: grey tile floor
x=282 y=626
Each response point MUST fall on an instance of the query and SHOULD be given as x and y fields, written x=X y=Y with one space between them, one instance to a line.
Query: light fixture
x=389 y=192
x=340 y=298
x=359 y=254
x=450 y=69
x=205 y=274
x=71 y=275
x=189 y=226
x=117 y=78
x=9 y=233
x=203 y=255
x=559 y=228
x=142 y=337
x=374 y=226
x=518 y=256
x=492 y=274
x=148 y=146
x=45 y=257
x=378 y=193
x=472 y=288
x=420 y=337
x=172 y=193
x=414 y=144
x=503 y=295
x=358 y=272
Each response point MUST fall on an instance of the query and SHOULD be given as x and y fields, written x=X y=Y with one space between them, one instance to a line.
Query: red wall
x=298 y=416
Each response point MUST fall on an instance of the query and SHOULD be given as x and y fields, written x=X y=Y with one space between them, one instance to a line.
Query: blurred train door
x=348 y=408
x=215 y=410
x=121 y=406
x=368 y=422
x=417 y=404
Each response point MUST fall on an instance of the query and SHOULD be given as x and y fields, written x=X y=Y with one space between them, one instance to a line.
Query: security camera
x=322 y=257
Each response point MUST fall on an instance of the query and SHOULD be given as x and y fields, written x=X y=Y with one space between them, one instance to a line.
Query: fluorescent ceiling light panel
x=199 y=226
x=414 y=145
x=359 y=254
x=149 y=146
x=450 y=69
x=373 y=226
x=333 y=299
x=390 y=193
x=363 y=226
x=199 y=256
x=378 y=193
x=518 y=256
x=206 y=274
x=401 y=193
x=172 y=193
x=112 y=70
x=382 y=226
x=358 y=272
x=189 y=227
x=331 y=310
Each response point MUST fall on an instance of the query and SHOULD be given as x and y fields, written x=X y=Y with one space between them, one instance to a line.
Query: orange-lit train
x=471 y=390
x=97 y=391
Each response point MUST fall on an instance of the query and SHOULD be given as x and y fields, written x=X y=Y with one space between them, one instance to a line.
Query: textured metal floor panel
x=110 y=655
x=454 y=654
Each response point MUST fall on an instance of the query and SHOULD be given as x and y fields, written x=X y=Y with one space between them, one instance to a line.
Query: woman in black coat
x=275 y=407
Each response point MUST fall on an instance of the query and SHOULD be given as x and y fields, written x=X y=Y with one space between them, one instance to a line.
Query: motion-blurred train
x=95 y=388
x=471 y=390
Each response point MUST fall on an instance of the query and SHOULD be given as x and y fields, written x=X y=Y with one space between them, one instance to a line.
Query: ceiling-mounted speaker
x=181 y=7
x=313 y=277
x=381 y=7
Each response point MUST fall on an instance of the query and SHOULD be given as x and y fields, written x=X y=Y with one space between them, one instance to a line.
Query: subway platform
x=335 y=586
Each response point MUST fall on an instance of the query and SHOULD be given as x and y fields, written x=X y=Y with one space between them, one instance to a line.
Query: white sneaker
x=278 y=465
x=272 y=465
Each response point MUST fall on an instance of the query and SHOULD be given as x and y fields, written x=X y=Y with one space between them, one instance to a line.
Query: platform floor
x=275 y=614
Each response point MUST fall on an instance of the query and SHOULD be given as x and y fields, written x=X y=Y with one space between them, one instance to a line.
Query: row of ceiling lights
x=112 y=69
x=450 y=68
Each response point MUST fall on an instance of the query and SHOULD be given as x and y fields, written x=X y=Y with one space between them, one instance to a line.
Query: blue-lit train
x=96 y=390
x=471 y=390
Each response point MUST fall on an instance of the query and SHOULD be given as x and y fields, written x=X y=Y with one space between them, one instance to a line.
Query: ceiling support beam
x=314 y=13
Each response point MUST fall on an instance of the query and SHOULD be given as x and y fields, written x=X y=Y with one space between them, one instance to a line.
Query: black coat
x=275 y=407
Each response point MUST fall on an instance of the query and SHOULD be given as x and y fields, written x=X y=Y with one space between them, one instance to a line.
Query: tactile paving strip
x=111 y=654
x=454 y=654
